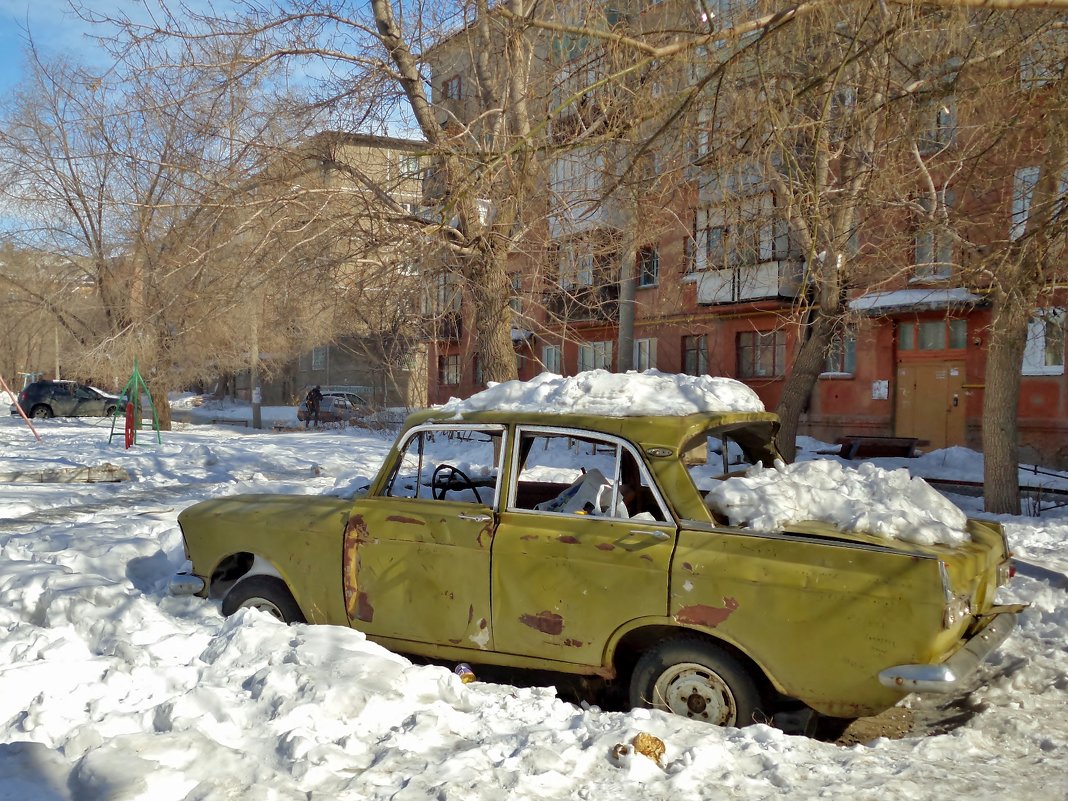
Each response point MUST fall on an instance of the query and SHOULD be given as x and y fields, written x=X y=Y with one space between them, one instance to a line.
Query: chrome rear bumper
x=186 y=584
x=951 y=675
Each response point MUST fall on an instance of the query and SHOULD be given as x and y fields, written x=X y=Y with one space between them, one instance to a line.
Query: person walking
x=313 y=401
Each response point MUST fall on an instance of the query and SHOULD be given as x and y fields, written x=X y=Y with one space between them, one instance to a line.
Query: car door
x=87 y=403
x=417 y=554
x=62 y=400
x=583 y=546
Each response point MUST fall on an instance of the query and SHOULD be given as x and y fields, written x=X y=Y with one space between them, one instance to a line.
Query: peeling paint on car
x=709 y=616
x=567 y=539
x=546 y=622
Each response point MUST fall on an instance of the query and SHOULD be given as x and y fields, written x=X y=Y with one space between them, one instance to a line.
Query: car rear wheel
x=696 y=679
x=266 y=593
x=41 y=412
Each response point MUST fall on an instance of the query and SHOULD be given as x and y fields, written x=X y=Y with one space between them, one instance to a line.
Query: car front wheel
x=41 y=412
x=696 y=679
x=266 y=593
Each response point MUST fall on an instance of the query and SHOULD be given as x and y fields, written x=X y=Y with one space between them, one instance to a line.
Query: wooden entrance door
x=930 y=402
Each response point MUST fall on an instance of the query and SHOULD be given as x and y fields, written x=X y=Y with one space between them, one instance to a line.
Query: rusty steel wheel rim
x=694 y=691
x=263 y=605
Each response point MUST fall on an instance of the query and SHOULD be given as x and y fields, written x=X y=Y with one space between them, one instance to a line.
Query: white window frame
x=1043 y=324
x=934 y=249
x=595 y=356
x=1024 y=181
x=552 y=359
x=645 y=354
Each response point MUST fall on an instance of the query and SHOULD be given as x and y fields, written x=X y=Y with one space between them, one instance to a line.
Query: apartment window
x=449 y=369
x=934 y=245
x=1023 y=187
x=695 y=355
x=1044 y=351
x=443 y=295
x=476 y=370
x=958 y=334
x=931 y=335
x=648 y=266
x=409 y=166
x=575 y=268
x=551 y=359
x=644 y=354
x=516 y=300
x=842 y=354
x=595 y=356
x=750 y=232
x=1042 y=62
x=452 y=89
x=942 y=125
x=761 y=354
x=318 y=358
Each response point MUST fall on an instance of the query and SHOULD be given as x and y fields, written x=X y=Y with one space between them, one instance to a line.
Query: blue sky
x=53 y=27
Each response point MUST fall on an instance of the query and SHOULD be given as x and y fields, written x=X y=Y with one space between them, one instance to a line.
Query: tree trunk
x=1001 y=449
x=490 y=292
x=158 y=392
x=806 y=370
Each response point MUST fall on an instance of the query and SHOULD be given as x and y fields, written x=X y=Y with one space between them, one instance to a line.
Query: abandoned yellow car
x=573 y=540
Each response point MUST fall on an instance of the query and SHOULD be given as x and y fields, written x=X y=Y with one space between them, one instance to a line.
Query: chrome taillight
x=1006 y=571
x=957 y=607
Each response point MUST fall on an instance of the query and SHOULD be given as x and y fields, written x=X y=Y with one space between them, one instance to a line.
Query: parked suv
x=43 y=399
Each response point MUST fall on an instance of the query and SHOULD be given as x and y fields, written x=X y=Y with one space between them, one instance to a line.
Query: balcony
x=769 y=280
x=444 y=327
x=579 y=302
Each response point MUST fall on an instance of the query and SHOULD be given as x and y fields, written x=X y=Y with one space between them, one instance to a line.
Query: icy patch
x=598 y=392
x=865 y=499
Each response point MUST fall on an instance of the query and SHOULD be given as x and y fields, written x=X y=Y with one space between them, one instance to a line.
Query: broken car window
x=454 y=463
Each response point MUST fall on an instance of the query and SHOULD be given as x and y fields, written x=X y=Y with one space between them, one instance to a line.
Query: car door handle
x=475 y=518
x=656 y=534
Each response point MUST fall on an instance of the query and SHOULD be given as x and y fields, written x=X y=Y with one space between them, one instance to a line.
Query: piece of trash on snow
x=463 y=670
x=647 y=745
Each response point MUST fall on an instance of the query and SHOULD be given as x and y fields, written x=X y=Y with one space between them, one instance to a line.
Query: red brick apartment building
x=913 y=363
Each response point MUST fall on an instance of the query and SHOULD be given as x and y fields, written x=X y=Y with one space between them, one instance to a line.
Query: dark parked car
x=65 y=399
x=336 y=407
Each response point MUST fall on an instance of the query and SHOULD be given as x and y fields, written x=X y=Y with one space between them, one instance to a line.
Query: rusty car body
x=476 y=543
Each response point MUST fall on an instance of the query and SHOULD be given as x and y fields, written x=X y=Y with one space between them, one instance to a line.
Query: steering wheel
x=439 y=485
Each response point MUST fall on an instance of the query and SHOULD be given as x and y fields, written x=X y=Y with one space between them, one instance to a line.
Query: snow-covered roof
x=914 y=299
x=599 y=392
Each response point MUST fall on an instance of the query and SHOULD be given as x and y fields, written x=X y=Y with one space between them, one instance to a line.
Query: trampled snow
x=614 y=395
x=111 y=689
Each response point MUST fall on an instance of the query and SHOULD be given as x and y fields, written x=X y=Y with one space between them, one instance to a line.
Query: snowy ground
x=110 y=689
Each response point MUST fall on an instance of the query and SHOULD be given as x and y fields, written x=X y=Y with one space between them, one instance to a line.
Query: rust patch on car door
x=546 y=622
x=355 y=535
x=708 y=616
x=364 y=610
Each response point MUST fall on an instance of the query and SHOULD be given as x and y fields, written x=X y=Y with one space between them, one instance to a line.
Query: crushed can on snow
x=463 y=670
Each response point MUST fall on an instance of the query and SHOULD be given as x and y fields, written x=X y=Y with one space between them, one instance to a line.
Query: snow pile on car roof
x=599 y=392
x=865 y=499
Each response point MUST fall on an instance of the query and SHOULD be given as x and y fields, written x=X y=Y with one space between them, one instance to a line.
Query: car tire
x=697 y=679
x=266 y=593
x=41 y=412
x=109 y=411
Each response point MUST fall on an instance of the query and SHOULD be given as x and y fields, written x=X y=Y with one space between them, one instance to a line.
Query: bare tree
x=147 y=186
